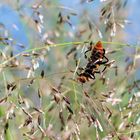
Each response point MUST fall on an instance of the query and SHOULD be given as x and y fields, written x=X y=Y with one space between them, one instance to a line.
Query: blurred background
x=42 y=45
x=15 y=25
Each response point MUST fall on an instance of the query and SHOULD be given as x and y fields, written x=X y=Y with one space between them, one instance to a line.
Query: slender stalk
x=57 y=45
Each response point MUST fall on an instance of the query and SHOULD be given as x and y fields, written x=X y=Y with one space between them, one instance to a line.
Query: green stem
x=57 y=45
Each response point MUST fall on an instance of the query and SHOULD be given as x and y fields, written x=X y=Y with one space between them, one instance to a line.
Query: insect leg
x=86 y=53
x=97 y=71
x=89 y=49
x=78 y=73
x=106 y=59
x=104 y=62
x=80 y=68
x=104 y=69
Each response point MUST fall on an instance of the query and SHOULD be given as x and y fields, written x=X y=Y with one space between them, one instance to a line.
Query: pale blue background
x=8 y=17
